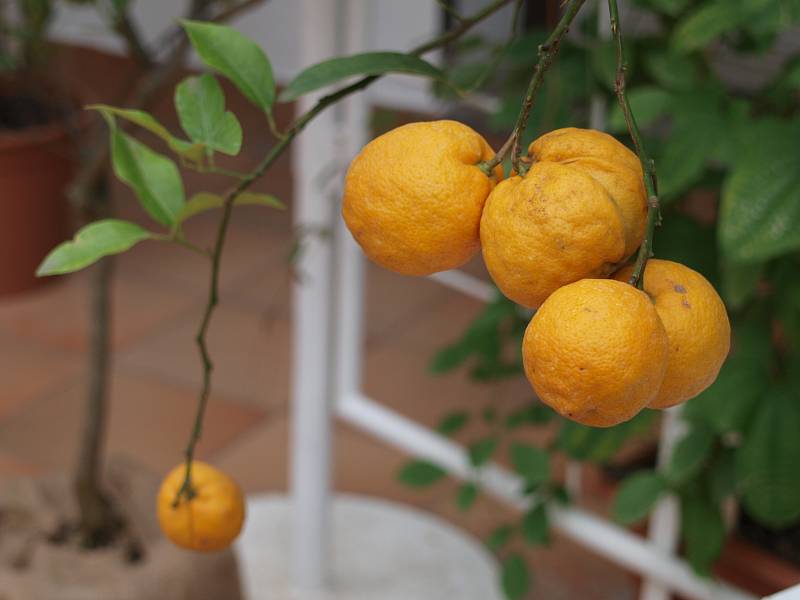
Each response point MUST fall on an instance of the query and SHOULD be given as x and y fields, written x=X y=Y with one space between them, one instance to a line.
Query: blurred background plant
x=715 y=86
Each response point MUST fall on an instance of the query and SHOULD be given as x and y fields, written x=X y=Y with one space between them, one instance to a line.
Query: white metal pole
x=353 y=132
x=665 y=519
x=311 y=377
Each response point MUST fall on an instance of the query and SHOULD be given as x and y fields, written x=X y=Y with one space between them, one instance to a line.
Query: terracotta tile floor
x=157 y=296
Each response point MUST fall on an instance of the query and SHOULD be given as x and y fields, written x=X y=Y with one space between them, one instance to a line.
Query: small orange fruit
x=697 y=326
x=211 y=519
x=413 y=197
x=577 y=213
x=596 y=351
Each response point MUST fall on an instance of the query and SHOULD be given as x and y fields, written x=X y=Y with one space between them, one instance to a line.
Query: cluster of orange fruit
x=557 y=239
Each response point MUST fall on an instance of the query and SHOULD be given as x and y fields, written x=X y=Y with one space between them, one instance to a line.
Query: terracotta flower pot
x=36 y=165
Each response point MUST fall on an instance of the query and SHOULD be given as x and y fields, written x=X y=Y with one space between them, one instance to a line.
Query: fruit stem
x=648 y=166
x=547 y=54
x=186 y=490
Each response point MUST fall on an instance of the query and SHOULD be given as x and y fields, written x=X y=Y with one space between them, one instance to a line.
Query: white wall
x=276 y=26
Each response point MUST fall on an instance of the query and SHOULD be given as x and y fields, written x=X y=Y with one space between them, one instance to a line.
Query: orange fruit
x=211 y=519
x=413 y=197
x=596 y=351
x=697 y=326
x=577 y=213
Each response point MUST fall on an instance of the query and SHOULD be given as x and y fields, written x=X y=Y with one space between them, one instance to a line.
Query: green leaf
x=204 y=201
x=722 y=476
x=760 y=209
x=370 y=63
x=690 y=454
x=531 y=463
x=200 y=104
x=453 y=422
x=703 y=532
x=515 y=579
x=682 y=239
x=704 y=25
x=667 y=7
x=91 y=243
x=449 y=358
x=536 y=525
x=532 y=414
x=603 y=60
x=767 y=462
x=600 y=444
x=186 y=149
x=467 y=494
x=481 y=451
x=671 y=70
x=420 y=473
x=237 y=57
x=739 y=282
x=499 y=537
x=153 y=176
x=648 y=103
x=636 y=496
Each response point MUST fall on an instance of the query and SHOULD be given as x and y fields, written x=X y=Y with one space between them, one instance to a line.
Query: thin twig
x=547 y=54
x=648 y=166
x=125 y=26
x=275 y=152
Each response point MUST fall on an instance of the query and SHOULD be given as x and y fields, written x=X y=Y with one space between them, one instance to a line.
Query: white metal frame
x=328 y=324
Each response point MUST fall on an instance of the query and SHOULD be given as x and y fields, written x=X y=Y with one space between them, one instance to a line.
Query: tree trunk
x=98 y=520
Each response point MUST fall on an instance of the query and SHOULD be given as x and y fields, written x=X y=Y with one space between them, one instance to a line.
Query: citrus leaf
x=481 y=451
x=704 y=25
x=636 y=496
x=421 y=473
x=531 y=463
x=204 y=201
x=153 y=176
x=453 y=422
x=690 y=454
x=536 y=525
x=237 y=57
x=767 y=462
x=91 y=243
x=760 y=209
x=515 y=579
x=200 y=104
x=703 y=531
x=369 y=63
x=499 y=537
x=190 y=151
x=467 y=494
x=648 y=103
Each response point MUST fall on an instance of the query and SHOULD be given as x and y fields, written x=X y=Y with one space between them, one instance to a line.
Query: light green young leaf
x=200 y=104
x=636 y=496
x=514 y=578
x=421 y=473
x=767 y=462
x=369 y=63
x=204 y=201
x=91 y=243
x=188 y=150
x=237 y=57
x=154 y=177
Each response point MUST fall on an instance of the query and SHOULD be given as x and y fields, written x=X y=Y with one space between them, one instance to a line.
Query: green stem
x=547 y=54
x=648 y=166
x=275 y=152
